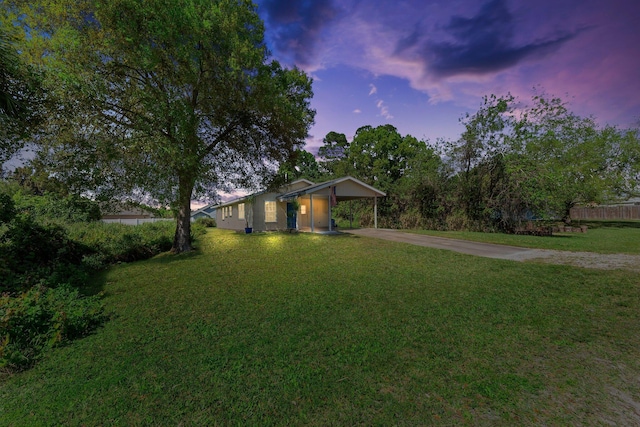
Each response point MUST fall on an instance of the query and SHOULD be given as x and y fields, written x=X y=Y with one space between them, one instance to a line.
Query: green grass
x=602 y=237
x=285 y=329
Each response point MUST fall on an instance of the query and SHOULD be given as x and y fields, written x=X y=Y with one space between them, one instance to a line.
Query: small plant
x=42 y=318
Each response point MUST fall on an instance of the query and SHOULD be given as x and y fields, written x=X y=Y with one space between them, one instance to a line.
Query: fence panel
x=134 y=221
x=607 y=212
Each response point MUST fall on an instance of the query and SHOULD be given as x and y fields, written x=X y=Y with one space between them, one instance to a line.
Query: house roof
x=244 y=198
x=332 y=183
x=207 y=210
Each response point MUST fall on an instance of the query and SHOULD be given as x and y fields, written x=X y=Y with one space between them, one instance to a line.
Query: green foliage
x=302 y=164
x=403 y=167
x=41 y=318
x=20 y=95
x=52 y=208
x=113 y=243
x=179 y=97
x=33 y=253
x=7 y=208
x=358 y=331
x=514 y=162
x=206 y=222
x=47 y=253
x=537 y=162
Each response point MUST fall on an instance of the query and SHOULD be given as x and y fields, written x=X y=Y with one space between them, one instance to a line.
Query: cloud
x=357 y=111
x=482 y=44
x=373 y=90
x=384 y=109
x=295 y=26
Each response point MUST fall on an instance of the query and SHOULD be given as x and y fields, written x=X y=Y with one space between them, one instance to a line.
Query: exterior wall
x=258 y=213
x=320 y=211
x=231 y=222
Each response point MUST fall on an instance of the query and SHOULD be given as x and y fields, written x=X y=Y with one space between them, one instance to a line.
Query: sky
x=420 y=65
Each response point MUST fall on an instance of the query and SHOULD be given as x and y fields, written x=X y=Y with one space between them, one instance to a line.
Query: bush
x=206 y=222
x=48 y=247
x=42 y=318
x=112 y=243
x=410 y=220
x=34 y=254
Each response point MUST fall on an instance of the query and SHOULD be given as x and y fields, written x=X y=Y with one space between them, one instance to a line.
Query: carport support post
x=311 y=209
x=375 y=211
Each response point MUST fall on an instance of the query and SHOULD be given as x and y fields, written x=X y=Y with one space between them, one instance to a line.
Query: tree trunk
x=567 y=213
x=182 y=238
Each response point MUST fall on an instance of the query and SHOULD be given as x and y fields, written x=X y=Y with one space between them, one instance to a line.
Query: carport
x=315 y=202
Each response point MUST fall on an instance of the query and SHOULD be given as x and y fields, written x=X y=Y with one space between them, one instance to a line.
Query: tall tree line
x=514 y=162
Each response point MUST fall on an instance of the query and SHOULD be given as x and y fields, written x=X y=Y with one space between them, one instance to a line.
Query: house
x=208 y=211
x=129 y=214
x=300 y=205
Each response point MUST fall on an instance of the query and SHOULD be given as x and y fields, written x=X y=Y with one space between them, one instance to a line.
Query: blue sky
x=420 y=65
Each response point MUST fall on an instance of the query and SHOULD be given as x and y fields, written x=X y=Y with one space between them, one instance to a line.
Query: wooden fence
x=135 y=221
x=607 y=212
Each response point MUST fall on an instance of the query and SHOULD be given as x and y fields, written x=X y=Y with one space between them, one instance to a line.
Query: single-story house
x=300 y=205
x=130 y=214
x=208 y=211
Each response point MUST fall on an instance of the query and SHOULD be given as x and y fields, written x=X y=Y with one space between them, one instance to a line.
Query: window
x=230 y=211
x=241 y=211
x=303 y=209
x=269 y=211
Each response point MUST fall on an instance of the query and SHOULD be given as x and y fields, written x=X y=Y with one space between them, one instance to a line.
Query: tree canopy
x=166 y=99
x=514 y=161
x=20 y=96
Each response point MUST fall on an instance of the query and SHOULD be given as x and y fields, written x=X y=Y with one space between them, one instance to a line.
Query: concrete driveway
x=490 y=250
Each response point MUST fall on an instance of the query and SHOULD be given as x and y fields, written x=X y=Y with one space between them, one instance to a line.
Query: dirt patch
x=580 y=259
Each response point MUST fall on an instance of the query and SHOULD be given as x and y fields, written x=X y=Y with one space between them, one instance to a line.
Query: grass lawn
x=286 y=329
x=604 y=237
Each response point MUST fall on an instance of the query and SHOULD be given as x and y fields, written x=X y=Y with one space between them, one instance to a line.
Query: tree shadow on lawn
x=98 y=280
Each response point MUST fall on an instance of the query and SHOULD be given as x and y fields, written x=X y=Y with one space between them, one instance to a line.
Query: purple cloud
x=295 y=26
x=484 y=44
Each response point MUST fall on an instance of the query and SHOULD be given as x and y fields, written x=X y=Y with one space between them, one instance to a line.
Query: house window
x=241 y=211
x=269 y=211
x=230 y=211
x=303 y=210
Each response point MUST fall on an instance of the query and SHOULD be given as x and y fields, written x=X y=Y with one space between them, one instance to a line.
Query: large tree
x=19 y=96
x=515 y=160
x=165 y=98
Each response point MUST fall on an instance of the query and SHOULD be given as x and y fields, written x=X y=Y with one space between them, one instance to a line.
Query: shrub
x=42 y=318
x=112 y=243
x=410 y=219
x=206 y=222
x=34 y=253
x=7 y=208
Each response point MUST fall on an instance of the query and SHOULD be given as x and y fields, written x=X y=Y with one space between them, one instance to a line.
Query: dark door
x=291 y=216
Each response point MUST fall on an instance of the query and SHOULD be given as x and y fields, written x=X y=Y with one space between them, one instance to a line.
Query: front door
x=291 y=216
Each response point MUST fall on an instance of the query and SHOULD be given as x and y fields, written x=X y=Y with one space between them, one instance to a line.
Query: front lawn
x=290 y=329
x=604 y=237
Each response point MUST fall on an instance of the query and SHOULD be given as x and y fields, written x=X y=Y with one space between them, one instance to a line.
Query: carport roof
x=332 y=183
